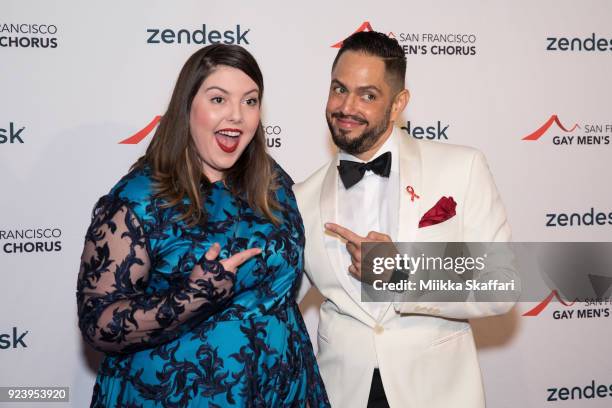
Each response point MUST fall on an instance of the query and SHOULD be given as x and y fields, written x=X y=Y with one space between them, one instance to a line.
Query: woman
x=191 y=263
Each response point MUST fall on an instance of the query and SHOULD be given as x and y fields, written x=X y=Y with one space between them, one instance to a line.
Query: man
x=391 y=354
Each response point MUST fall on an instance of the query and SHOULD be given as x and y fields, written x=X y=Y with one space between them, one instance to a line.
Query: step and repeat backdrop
x=527 y=82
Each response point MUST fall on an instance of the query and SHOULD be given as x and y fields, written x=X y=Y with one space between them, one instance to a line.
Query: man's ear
x=399 y=104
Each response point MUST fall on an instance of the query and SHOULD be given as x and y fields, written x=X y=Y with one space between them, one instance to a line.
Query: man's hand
x=353 y=244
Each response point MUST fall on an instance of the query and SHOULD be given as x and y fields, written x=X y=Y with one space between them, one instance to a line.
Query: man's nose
x=349 y=105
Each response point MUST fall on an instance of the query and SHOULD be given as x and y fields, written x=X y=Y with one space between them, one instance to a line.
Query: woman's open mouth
x=228 y=139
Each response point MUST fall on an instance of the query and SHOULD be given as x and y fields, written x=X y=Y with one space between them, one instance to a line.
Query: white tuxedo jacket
x=425 y=352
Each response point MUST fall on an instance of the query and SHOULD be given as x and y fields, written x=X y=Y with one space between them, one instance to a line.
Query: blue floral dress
x=223 y=340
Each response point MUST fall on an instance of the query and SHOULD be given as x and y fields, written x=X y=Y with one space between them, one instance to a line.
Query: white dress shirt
x=370 y=205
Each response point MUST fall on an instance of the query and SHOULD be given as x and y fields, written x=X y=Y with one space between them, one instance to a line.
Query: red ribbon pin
x=413 y=195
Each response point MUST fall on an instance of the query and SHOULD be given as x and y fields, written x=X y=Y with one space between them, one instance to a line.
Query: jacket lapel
x=410 y=176
x=409 y=208
x=333 y=244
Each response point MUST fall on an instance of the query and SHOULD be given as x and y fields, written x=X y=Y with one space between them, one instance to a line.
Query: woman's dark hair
x=173 y=157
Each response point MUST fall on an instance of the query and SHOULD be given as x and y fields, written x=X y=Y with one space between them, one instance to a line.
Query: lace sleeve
x=116 y=315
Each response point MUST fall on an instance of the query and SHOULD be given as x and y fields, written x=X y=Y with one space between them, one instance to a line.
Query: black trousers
x=377 y=398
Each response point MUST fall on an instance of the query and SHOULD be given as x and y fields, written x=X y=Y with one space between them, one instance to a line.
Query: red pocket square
x=442 y=211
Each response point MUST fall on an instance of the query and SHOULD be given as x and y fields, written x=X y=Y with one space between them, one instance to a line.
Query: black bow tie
x=352 y=172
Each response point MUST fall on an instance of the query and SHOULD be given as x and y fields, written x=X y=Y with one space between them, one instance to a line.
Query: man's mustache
x=340 y=115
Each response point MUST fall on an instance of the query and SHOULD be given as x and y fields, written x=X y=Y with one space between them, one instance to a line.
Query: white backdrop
x=96 y=80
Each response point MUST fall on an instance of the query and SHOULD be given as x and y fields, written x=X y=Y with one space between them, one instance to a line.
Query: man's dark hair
x=379 y=45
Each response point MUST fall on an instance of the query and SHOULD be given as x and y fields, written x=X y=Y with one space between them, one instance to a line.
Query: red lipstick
x=228 y=139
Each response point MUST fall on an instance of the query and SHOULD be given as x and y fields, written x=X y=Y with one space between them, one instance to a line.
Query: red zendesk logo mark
x=553 y=119
x=142 y=133
x=542 y=305
x=365 y=26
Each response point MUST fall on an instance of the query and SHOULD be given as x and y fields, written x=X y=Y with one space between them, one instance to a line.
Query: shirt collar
x=390 y=145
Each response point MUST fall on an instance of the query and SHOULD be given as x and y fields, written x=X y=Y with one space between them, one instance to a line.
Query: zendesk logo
x=579 y=392
x=11 y=135
x=13 y=340
x=592 y=43
x=203 y=36
x=434 y=132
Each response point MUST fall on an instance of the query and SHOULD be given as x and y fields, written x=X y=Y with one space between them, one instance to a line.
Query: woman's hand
x=232 y=263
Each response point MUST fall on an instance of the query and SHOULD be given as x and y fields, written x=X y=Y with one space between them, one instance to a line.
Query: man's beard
x=364 y=141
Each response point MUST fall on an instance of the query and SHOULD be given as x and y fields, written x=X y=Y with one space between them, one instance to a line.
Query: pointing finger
x=345 y=233
x=213 y=252
x=233 y=262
